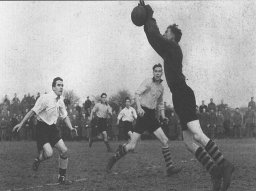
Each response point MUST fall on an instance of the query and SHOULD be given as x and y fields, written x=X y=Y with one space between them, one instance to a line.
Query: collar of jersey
x=154 y=80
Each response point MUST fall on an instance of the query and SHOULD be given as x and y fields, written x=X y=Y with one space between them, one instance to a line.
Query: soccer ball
x=139 y=15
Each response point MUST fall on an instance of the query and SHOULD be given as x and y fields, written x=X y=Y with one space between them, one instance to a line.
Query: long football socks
x=205 y=159
x=214 y=152
x=63 y=165
x=167 y=157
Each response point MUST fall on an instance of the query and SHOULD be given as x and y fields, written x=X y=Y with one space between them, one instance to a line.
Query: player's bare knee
x=130 y=146
x=198 y=137
x=64 y=153
x=105 y=139
x=48 y=154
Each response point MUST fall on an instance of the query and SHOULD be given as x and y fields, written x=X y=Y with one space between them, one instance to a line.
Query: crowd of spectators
x=217 y=120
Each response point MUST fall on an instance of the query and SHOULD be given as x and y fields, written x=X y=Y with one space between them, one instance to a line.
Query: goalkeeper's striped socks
x=205 y=159
x=214 y=152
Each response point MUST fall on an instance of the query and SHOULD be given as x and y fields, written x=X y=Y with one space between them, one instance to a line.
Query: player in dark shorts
x=149 y=97
x=205 y=150
x=102 y=110
x=127 y=115
x=48 y=108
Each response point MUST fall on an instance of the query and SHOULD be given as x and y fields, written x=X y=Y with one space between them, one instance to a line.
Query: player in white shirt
x=48 y=108
x=127 y=116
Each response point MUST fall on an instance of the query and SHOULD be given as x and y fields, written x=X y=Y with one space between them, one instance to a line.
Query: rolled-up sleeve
x=63 y=111
x=40 y=105
x=143 y=87
x=120 y=115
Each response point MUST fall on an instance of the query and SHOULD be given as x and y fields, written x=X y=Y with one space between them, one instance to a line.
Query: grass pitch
x=143 y=170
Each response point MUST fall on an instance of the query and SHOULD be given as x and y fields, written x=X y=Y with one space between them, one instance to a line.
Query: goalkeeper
x=205 y=150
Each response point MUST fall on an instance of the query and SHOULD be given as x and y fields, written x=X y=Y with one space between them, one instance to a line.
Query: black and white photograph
x=128 y=95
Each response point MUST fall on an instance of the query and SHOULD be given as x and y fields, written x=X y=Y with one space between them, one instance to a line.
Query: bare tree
x=118 y=99
x=70 y=98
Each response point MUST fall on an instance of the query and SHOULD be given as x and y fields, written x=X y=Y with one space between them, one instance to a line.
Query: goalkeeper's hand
x=150 y=11
x=142 y=3
x=148 y=8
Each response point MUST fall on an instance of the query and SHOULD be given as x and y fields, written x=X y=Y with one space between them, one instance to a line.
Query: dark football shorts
x=102 y=124
x=148 y=122
x=184 y=103
x=127 y=127
x=46 y=134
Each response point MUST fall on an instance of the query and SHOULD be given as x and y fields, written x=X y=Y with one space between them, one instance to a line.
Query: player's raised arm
x=39 y=106
x=155 y=38
x=27 y=116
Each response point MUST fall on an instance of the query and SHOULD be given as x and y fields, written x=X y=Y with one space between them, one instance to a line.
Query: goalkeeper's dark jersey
x=170 y=52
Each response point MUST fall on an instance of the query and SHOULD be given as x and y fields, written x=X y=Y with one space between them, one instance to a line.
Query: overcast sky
x=95 y=47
